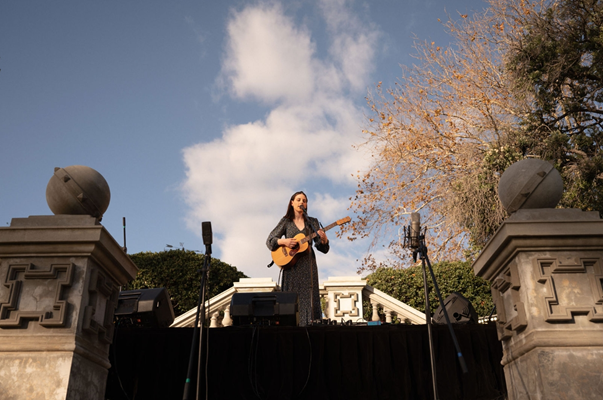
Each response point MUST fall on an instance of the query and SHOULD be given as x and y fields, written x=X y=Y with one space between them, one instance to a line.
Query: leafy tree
x=179 y=271
x=406 y=285
x=558 y=62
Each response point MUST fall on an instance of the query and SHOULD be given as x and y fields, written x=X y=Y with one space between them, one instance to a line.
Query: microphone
x=207 y=236
x=125 y=248
x=304 y=209
x=415 y=230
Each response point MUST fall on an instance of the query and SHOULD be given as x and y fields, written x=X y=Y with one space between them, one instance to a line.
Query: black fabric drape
x=330 y=362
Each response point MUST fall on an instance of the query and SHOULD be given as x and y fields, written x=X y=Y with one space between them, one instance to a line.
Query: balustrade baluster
x=227 y=321
x=388 y=316
x=375 y=316
x=214 y=320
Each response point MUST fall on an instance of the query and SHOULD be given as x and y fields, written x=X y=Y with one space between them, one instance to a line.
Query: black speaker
x=460 y=311
x=150 y=308
x=265 y=308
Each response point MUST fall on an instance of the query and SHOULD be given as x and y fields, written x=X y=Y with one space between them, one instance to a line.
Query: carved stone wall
x=571 y=286
x=344 y=298
x=546 y=270
x=36 y=293
x=59 y=283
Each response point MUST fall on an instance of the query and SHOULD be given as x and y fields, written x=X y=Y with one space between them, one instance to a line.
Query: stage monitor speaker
x=460 y=311
x=265 y=308
x=149 y=308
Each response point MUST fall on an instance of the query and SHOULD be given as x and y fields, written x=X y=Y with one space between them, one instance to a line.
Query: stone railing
x=343 y=298
x=487 y=320
x=217 y=309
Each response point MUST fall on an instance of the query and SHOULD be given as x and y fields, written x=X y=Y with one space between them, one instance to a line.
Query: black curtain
x=320 y=362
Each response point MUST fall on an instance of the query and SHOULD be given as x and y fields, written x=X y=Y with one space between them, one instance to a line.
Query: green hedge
x=406 y=285
x=179 y=272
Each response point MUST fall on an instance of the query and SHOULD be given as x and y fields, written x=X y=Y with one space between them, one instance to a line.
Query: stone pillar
x=60 y=278
x=345 y=298
x=546 y=270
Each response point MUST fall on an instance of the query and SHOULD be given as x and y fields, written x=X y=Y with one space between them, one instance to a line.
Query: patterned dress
x=302 y=278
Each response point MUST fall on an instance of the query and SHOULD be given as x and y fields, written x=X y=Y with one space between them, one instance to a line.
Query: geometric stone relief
x=573 y=286
x=350 y=300
x=102 y=300
x=511 y=313
x=36 y=294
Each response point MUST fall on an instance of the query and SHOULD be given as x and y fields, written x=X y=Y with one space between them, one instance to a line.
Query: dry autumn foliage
x=440 y=139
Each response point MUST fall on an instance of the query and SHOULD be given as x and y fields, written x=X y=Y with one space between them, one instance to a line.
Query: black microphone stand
x=420 y=251
x=311 y=269
x=198 y=334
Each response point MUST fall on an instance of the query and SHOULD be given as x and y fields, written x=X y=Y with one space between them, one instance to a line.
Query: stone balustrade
x=343 y=299
x=217 y=309
x=391 y=307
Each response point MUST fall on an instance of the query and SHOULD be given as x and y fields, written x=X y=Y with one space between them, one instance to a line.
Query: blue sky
x=201 y=111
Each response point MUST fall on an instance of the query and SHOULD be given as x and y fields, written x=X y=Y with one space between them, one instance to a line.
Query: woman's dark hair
x=290 y=213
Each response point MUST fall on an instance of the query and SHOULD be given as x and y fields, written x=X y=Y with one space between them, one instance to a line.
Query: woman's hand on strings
x=290 y=243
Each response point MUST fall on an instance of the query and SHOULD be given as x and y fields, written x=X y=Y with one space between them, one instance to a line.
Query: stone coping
x=520 y=234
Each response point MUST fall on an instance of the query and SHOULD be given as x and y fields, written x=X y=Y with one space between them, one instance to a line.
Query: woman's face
x=299 y=200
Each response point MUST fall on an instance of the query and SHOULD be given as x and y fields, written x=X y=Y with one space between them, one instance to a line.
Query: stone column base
x=547 y=373
x=50 y=376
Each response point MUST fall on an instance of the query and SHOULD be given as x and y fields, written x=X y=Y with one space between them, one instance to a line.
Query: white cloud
x=353 y=45
x=243 y=180
x=267 y=56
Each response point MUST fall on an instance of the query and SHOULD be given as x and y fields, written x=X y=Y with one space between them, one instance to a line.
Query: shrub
x=179 y=271
x=406 y=285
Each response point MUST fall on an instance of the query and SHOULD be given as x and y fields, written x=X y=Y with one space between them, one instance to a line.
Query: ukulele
x=286 y=257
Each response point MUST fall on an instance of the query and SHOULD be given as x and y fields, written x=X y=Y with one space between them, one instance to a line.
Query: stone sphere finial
x=79 y=190
x=530 y=183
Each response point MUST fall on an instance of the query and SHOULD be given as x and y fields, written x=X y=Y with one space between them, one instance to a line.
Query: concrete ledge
x=553 y=339
x=522 y=236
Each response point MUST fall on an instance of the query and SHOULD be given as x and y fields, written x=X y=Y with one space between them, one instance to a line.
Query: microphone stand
x=311 y=269
x=198 y=334
x=420 y=250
